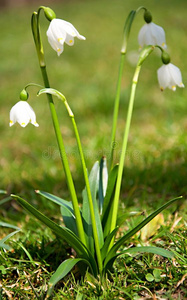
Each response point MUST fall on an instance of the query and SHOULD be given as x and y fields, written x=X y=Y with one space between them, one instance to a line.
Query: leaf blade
x=62 y=232
x=148 y=249
x=112 y=253
x=63 y=269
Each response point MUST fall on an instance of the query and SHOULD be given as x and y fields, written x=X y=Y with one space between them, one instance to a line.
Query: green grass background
x=86 y=74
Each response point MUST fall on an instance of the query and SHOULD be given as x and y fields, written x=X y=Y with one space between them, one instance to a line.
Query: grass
x=156 y=163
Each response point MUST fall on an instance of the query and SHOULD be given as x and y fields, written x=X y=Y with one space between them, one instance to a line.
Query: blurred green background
x=156 y=163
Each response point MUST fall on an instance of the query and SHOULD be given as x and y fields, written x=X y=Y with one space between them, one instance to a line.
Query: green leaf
x=68 y=219
x=66 y=210
x=2 y=192
x=9 y=225
x=149 y=277
x=64 y=233
x=93 y=181
x=112 y=254
x=57 y=200
x=2 y=241
x=156 y=273
x=64 y=268
x=105 y=247
x=148 y=249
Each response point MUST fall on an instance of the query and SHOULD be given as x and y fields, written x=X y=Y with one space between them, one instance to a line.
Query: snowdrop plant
x=91 y=229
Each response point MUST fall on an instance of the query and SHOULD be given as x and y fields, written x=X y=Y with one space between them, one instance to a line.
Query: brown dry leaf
x=151 y=228
x=175 y=223
x=181 y=281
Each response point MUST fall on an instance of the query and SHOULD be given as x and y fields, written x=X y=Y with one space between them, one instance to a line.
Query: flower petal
x=61 y=31
x=22 y=113
x=151 y=34
x=158 y=35
x=169 y=76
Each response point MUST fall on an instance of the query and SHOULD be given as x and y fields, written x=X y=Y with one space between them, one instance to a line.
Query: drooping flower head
x=169 y=75
x=60 y=32
x=151 y=34
x=22 y=113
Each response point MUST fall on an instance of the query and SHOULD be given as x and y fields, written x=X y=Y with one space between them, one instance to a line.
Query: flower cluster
x=169 y=76
x=60 y=32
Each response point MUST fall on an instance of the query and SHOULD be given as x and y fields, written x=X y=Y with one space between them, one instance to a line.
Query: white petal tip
x=164 y=45
x=23 y=125
x=35 y=124
x=11 y=123
x=181 y=85
x=59 y=52
x=81 y=37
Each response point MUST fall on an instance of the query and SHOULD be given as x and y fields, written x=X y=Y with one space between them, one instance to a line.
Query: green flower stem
x=126 y=33
x=143 y=55
x=124 y=147
x=39 y=49
x=116 y=109
x=92 y=214
x=95 y=234
x=64 y=160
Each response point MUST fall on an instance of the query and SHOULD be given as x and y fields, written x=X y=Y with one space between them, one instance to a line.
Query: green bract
x=165 y=58
x=147 y=16
x=24 y=95
x=49 y=13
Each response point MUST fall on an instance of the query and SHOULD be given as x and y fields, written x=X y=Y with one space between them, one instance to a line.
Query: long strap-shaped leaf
x=105 y=247
x=2 y=241
x=148 y=249
x=63 y=269
x=93 y=181
x=66 y=209
x=143 y=249
x=62 y=232
x=112 y=253
x=57 y=200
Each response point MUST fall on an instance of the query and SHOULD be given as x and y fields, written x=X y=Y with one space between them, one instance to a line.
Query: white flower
x=152 y=34
x=60 y=32
x=105 y=176
x=169 y=76
x=22 y=113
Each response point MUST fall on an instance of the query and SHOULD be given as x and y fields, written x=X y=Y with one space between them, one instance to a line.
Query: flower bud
x=165 y=57
x=24 y=95
x=49 y=13
x=147 y=16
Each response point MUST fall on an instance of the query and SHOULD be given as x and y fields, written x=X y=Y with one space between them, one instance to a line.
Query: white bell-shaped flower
x=105 y=176
x=22 y=113
x=60 y=32
x=169 y=76
x=152 y=34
